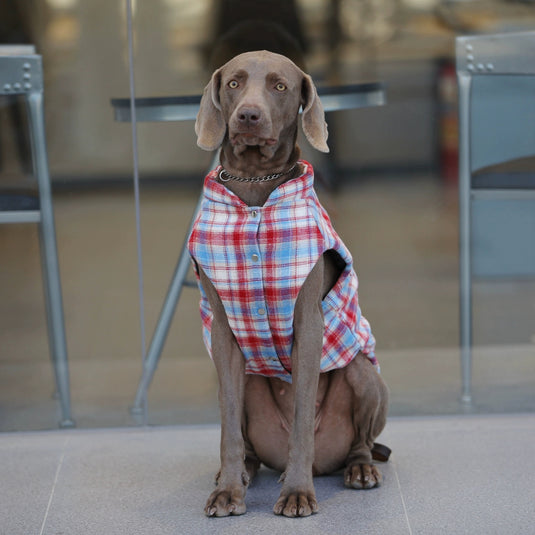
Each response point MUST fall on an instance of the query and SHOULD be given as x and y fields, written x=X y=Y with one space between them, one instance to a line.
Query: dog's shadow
x=265 y=488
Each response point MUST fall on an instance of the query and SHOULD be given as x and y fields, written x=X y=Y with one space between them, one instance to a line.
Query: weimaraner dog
x=299 y=388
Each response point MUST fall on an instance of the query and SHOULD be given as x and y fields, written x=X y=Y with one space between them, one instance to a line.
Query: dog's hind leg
x=252 y=462
x=369 y=418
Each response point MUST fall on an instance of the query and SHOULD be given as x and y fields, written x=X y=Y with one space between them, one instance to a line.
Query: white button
x=255 y=257
x=261 y=311
x=254 y=213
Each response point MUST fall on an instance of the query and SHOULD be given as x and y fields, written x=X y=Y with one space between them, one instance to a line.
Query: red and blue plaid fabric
x=259 y=257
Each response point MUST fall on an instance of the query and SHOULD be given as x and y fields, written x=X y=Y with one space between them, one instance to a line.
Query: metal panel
x=502 y=119
x=508 y=53
x=20 y=216
x=20 y=74
x=503 y=237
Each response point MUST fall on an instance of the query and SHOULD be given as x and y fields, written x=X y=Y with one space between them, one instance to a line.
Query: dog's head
x=254 y=100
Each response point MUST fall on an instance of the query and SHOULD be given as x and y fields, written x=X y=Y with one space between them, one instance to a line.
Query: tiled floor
x=453 y=474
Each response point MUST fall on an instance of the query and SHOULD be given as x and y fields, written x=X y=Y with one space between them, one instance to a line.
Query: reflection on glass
x=391 y=206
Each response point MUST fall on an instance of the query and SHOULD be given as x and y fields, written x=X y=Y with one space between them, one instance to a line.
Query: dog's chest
x=259 y=257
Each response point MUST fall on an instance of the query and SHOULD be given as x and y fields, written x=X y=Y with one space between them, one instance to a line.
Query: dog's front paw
x=226 y=502
x=296 y=503
x=362 y=476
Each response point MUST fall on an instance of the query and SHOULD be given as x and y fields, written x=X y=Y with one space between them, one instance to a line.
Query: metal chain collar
x=225 y=176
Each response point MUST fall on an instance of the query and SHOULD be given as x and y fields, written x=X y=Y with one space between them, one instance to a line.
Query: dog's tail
x=380 y=452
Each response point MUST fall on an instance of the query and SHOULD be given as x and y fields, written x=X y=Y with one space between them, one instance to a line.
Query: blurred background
x=390 y=185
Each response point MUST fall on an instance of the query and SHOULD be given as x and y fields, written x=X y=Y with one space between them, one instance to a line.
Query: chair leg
x=51 y=277
x=164 y=322
x=166 y=315
x=48 y=311
x=465 y=268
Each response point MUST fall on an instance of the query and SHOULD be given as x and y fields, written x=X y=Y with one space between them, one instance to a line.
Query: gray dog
x=299 y=385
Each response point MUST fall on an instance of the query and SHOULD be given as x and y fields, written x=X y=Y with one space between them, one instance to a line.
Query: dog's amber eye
x=233 y=84
x=280 y=87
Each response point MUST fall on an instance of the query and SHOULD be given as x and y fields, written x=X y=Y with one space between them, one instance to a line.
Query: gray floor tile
x=132 y=482
x=466 y=474
x=30 y=464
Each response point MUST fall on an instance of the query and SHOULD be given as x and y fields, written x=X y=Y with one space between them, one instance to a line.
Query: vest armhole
x=334 y=267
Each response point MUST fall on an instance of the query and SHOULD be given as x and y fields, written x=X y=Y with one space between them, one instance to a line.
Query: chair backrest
x=21 y=74
x=497 y=145
x=20 y=70
x=502 y=100
x=502 y=119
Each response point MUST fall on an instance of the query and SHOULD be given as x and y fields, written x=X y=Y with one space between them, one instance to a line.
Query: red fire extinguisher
x=448 y=122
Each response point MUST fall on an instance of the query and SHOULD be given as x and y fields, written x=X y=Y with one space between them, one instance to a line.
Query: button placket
x=259 y=308
x=255 y=253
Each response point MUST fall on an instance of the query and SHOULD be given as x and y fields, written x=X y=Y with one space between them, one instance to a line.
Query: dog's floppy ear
x=314 y=125
x=210 y=125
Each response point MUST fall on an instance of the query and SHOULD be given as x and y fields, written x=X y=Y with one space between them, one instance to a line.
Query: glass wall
x=389 y=183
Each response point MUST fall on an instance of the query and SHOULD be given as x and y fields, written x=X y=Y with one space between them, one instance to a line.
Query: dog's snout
x=249 y=116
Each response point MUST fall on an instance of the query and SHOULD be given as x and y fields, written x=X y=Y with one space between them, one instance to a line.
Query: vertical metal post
x=465 y=268
x=142 y=407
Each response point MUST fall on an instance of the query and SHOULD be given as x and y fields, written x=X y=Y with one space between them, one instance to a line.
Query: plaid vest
x=258 y=257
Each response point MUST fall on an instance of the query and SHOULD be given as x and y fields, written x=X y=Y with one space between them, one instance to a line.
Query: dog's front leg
x=232 y=479
x=298 y=497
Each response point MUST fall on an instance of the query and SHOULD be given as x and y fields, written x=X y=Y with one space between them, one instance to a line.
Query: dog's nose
x=249 y=116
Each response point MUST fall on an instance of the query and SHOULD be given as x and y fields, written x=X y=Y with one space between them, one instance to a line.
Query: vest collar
x=295 y=188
